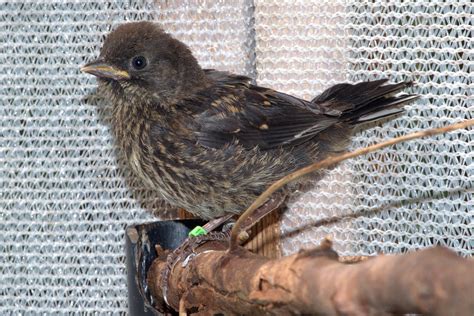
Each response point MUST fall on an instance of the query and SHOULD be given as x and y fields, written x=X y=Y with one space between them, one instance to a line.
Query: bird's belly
x=154 y=177
x=192 y=190
x=139 y=170
x=226 y=183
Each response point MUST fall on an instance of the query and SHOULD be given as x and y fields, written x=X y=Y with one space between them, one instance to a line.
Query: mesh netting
x=65 y=200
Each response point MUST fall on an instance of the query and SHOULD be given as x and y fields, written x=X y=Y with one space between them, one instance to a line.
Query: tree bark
x=432 y=281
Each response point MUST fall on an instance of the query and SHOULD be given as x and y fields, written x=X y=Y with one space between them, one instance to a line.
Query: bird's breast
x=153 y=151
x=131 y=127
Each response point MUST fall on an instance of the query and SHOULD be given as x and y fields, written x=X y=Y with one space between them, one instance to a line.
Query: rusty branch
x=433 y=281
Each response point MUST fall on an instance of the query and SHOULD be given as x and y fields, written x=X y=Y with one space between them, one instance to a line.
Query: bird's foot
x=186 y=251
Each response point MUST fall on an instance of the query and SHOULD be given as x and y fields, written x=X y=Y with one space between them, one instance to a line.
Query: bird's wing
x=257 y=117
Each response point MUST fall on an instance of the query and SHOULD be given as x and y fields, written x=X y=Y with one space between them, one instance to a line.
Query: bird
x=211 y=141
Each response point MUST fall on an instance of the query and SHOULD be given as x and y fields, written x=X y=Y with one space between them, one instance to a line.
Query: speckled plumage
x=210 y=141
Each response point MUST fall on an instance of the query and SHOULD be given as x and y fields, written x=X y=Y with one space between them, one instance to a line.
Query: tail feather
x=389 y=107
x=366 y=101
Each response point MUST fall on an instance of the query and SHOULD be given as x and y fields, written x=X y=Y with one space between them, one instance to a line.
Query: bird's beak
x=101 y=69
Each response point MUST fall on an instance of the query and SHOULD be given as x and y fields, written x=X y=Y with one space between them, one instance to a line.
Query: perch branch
x=332 y=161
x=432 y=281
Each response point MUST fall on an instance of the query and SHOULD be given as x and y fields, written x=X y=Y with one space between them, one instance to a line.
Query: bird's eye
x=139 y=62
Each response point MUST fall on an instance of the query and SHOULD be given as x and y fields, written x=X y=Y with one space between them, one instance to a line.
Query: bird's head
x=140 y=57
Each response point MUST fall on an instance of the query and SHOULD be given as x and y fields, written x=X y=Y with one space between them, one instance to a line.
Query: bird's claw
x=185 y=253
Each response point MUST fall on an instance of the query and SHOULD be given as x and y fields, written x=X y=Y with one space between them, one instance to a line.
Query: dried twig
x=332 y=161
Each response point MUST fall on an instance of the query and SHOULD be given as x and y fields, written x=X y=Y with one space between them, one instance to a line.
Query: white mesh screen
x=64 y=200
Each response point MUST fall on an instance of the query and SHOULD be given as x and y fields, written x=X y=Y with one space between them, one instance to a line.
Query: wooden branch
x=432 y=281
x=332 y=161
